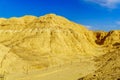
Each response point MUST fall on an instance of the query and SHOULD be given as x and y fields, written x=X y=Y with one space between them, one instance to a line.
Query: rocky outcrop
x=110 y=38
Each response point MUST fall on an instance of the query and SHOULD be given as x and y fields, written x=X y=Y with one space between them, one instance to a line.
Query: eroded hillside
x=34 y=43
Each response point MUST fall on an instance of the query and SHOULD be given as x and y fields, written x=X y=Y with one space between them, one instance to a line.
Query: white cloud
x=106 y=3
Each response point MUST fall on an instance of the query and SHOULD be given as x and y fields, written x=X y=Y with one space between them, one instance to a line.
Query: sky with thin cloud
x=106 y=3
x=94 y=14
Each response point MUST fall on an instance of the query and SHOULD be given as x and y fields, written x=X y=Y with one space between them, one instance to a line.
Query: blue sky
x=95 y=14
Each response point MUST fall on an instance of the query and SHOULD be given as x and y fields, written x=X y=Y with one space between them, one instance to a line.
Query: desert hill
x=32 y=43
x=46 y=41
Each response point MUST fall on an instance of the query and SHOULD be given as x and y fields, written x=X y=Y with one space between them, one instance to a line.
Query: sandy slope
x=71 y=71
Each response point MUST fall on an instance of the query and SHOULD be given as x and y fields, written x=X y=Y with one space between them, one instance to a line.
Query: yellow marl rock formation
x=32 y=43
x=46 y=41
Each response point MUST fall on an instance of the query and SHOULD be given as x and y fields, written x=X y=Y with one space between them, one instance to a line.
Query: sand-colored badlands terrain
x=51 y=47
